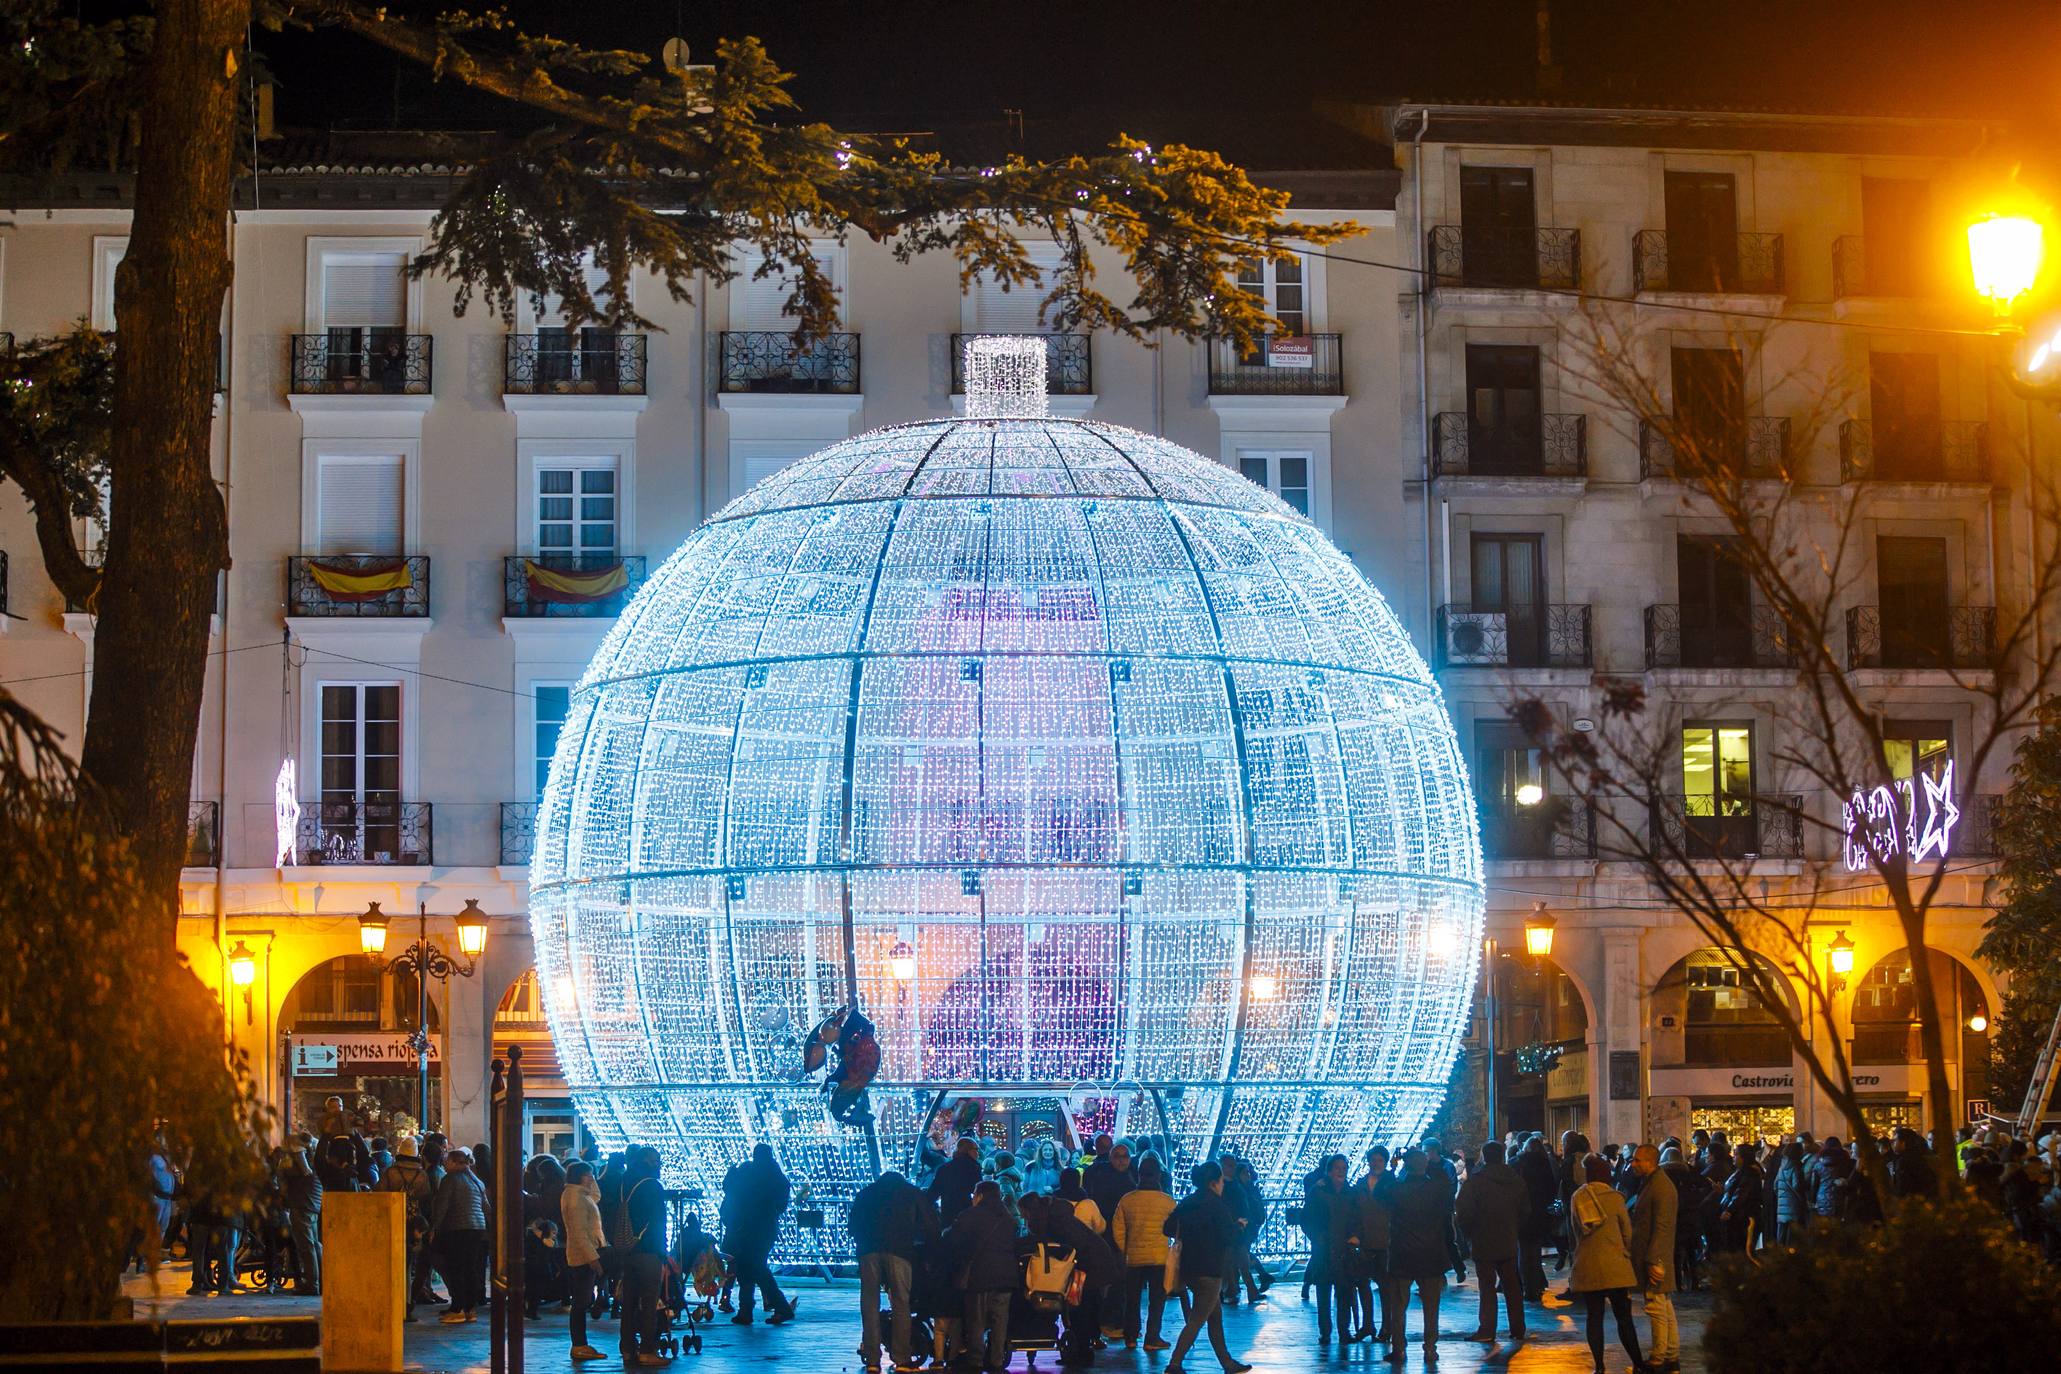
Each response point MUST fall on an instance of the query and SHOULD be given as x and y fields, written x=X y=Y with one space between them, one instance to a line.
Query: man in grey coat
x=1653 y=1256
x=1490 y=1211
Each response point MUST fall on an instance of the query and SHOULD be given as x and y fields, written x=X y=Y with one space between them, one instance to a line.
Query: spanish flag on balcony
x=361 y=581
x=573 y=588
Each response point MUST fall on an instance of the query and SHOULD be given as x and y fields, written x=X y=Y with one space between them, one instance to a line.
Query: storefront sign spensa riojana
x=1888 y=821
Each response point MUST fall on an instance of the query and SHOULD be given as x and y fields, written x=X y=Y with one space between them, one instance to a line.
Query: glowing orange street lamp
x=2004 y=252
x=1538 y=932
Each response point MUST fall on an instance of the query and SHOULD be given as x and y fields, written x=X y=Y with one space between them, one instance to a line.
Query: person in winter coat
x=1333 y=1232
x=1573 y=1147
x=1135 y=1231
x=1109 y=1178
x=1420 y=1228
x=983 y=1241
x=1655 y=1209
x=458 y=1223
x=579 y=1217
x=643 y=1230
x=1534 y=1164
x=164 y=1185
x=1371 y=1210
x=1739 y=1204
x=1050 y=1221
x=951 y=1188
x=1205 y=1228
x=1910 y=1165
x=1041 y=1175
x=1792 y=1200
x=409 y=1177
x=304 y=1215
x=755 y=1196
x=890 y=1221
x=1242 y=1196
x=1691 y=1191
x=1311 y=1222
x=1490 y=1212
x=1603 y=1258
x=543 y=1248
x=1009 y=1177
x=1833 y=1165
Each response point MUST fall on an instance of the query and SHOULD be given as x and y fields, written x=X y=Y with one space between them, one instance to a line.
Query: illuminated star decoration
x=286 y=812
x=1940 y=814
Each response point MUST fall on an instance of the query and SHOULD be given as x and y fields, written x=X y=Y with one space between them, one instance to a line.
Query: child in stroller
x=695 y=1273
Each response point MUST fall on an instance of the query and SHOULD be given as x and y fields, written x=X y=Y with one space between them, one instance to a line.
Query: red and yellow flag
x=555 y=585
x=361 y=582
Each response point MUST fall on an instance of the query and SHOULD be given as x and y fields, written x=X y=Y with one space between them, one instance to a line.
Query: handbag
x=1048 y=1276
x=1172 y=1278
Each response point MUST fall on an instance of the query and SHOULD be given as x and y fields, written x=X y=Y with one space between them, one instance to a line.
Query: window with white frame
x=576 y=508
x=108 y=253
x=1285 y=472
x=364 y=310
x=360 y=771
x=1282 y=288
x=553 y=700
x=1015 y=311
x=760 y=303
x=585 y=354
x=360 y=503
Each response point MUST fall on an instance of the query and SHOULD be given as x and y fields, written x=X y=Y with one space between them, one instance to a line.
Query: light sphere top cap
x=1005 y=377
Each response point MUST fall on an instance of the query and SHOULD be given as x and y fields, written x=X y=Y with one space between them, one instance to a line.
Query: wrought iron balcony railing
x=1522 y=637
x=541 y=586
x=364 y=832
x=1936 y=451
x=1554 y=828
x=1768 y=825
x=6 y=341
x=369 y=362
x=770 y=361
x=1554 y=446
x=562 y=362
x=518 y=832
x=1301 y=365
x=358 y=584
x=1069 y=368
x=1965 y=637
x=1857 y=272
x=1759 y=448
x=1522 y=259
x=1741 y=264
x=1717 y=637
x=203 y=834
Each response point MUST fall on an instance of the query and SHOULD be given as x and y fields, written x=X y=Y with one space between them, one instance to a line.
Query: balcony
x=354 y=362
x=203 y=834
x=587 y=362
x=1302 y=365
x=367 y=832
x=1525 y=637
x=1854 y=274
x=358 y=584
x=1742 y=265
x=1720 y=637
x=1557 y=446
x=1506 y=259
x=1748 y=1045
x=1965 y=638
x=518 y=833
x=1069 y=369
x=1766 y=826
x=1939 y=451
x=770 y=362
x=576 y=585
x=1554 y=828
x=1758 y=450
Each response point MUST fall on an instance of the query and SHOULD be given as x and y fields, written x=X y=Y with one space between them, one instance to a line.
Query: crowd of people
x=982 y=1252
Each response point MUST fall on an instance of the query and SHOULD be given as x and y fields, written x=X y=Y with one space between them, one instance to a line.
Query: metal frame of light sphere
x=1111 y=753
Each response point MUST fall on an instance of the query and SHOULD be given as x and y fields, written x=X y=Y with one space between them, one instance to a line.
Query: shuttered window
x=1015 y=311
x=760 y=302
x=359 y=505
x=364 y=290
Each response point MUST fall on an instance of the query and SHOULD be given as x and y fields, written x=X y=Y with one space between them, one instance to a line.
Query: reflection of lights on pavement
x=1530 y=794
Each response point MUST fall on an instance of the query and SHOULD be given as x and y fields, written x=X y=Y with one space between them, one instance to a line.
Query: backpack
x=1048 y=1275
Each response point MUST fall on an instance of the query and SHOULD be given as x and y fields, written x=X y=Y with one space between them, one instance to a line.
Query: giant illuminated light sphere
x=1093 y=773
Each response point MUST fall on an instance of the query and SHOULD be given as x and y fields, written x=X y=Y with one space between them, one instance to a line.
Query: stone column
x=1619 y=1118
x=468 y=1023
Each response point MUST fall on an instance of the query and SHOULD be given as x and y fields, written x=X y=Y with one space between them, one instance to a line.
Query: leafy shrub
x=1941 y=1286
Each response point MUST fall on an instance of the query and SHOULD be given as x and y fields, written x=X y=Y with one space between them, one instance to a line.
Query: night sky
x=1198 y=64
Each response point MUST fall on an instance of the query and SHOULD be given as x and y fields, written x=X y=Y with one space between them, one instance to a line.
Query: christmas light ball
x=1091 y=774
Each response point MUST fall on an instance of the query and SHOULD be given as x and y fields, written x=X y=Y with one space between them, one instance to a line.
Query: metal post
x=422 y=1012
x=508 y=1158
x=497 y=1301
x=1490 y=1012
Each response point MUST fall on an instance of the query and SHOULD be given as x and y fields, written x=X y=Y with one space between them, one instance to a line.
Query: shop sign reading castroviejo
x=1779 y=1082
x=368 y=1052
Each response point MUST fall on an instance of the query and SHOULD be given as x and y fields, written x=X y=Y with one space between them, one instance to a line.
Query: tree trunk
x=167 y=533
x=1932 y=1038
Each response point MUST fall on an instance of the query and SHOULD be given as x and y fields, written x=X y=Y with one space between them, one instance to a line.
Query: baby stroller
x=694 y=1276
x=1052 y=1282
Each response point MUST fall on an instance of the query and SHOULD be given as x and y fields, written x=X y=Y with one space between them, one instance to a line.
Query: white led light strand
x=1087 y=770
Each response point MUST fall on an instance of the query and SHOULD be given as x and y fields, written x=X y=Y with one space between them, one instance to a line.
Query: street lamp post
x=425 y=960
x=1538 y=946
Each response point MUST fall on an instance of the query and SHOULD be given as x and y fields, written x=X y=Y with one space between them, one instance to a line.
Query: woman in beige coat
x=1602 y=1229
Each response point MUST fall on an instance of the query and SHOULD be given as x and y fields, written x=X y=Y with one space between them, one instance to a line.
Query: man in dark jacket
x=1333 y=1229
x=1109 y=1178
x=1654 y=1210
x=755 y=1195
x=1420 y=1228
x=304 y=1215
x=1206 y=1228
x=1490 y=1211
x=644 y=1257
x=983 y=1242
x=889 y=1219
x=951 y=1188
x=1542 y=1191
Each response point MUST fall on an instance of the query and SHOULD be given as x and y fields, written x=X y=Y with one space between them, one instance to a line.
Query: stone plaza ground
x=1278 y=1336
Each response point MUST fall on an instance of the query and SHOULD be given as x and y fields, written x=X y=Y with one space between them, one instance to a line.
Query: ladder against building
x=2039 y=1091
